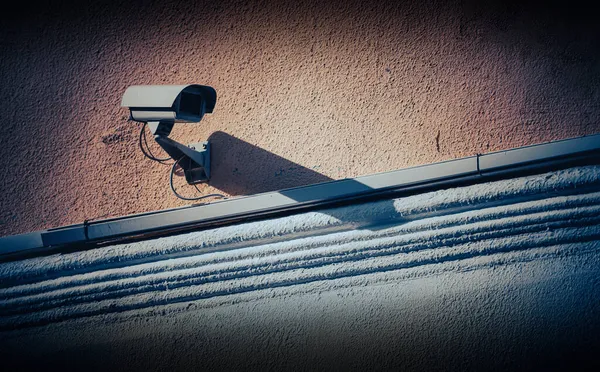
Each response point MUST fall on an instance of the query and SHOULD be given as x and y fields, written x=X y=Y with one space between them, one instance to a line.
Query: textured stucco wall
x=308 y=91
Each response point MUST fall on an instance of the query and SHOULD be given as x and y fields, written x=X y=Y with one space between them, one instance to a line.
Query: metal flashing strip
x=501 y=164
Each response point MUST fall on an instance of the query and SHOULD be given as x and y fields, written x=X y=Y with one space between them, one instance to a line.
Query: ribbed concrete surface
x=308 y=91
x=510 y=282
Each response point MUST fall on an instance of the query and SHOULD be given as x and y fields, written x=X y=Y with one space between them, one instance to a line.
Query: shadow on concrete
x=240 y=168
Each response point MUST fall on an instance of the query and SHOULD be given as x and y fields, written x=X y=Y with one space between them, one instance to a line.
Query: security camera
x=160 y=107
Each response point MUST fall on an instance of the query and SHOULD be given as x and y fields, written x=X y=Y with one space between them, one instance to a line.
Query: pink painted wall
x=308 y=91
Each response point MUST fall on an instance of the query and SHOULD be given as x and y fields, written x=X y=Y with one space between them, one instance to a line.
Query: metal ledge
x=470 y=170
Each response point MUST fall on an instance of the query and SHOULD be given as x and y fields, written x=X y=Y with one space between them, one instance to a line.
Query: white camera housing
x=169 y=103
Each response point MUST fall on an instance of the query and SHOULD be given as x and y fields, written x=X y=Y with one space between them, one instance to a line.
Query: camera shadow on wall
x=240 y=168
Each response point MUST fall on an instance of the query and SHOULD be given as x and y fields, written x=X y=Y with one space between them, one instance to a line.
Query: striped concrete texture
x=498 y=275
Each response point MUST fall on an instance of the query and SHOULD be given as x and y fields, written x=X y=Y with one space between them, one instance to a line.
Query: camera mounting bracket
x=193 y=159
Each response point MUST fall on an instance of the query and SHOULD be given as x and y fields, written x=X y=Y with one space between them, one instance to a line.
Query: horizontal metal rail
x=470 y=170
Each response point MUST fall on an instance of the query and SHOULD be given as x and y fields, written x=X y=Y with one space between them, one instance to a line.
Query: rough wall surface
x=308 y=91
x=509 y=283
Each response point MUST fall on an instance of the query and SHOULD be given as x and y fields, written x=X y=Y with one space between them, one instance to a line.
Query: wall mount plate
x=195 y=172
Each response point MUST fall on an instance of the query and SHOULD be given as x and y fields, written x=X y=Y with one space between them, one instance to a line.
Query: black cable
x=146 y=151
x=183 y=197
x=148 y=148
